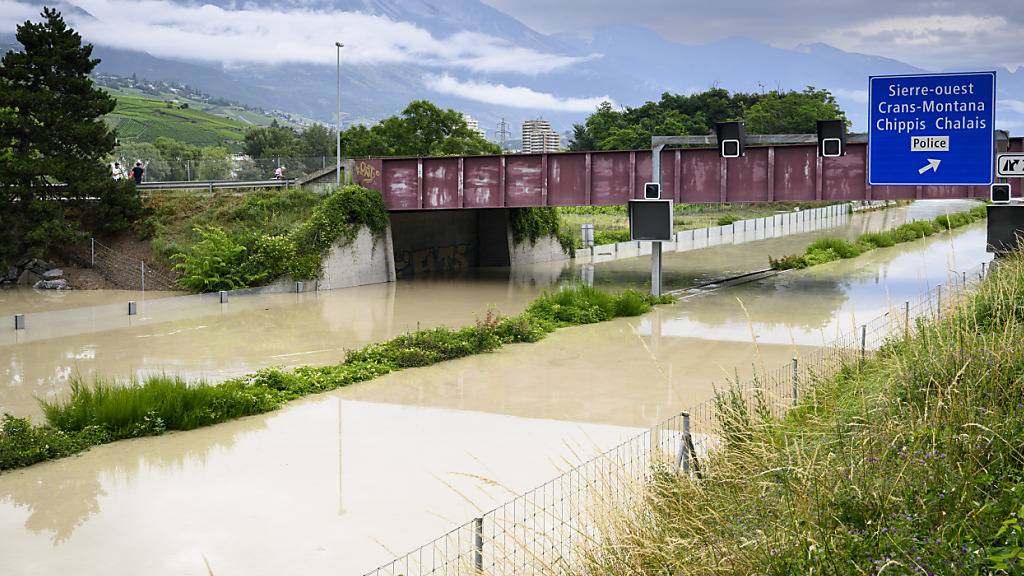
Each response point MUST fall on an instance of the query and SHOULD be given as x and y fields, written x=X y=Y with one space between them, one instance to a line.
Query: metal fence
x=545 y=530
x=240 y=168
x=122 y=270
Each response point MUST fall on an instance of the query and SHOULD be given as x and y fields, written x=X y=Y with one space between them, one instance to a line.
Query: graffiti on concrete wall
x=440 y=259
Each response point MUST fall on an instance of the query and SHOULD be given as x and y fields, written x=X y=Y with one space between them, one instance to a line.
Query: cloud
x=511 y=96
x=933 y=34
x=254 y=35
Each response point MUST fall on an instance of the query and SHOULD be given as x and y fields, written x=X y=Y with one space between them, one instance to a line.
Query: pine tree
x=58 y=139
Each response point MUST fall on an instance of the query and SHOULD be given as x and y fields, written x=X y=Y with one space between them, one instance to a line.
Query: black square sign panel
x=650 y=220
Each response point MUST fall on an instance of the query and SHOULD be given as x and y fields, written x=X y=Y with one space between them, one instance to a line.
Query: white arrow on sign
x=1010 y=165
x=932 y=165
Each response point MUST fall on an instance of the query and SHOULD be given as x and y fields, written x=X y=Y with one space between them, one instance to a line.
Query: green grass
x=908 y=463
x=103 y=412
x=143 y=119
x=832 y=249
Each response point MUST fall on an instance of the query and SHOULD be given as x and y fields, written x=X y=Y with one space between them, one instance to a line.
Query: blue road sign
x=933 y=129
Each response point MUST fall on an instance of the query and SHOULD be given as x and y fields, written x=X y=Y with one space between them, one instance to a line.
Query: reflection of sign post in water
x=651 y=221
x=932 y=129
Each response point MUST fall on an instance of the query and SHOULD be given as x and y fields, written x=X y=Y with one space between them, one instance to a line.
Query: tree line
x=774 y=112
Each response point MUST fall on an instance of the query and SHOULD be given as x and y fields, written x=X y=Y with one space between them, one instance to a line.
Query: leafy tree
x=317 y=140
x=792 y=112
x=272 y=141
x=422 y=129
x=678 y=114
x=57 y=139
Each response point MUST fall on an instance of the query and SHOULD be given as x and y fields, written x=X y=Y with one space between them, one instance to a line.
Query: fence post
x=19 y=321
x=684 y=448
x=906 y=319
x=143 y=266
x=223 y=297
x=964 y=274
x=132 y=308
x=796 y=380
x=478 y=544
x=938 y=303
x=983 y=269
x=92 y=252
x=863 y=340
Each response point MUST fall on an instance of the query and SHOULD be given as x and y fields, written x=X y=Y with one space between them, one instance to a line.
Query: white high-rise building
x=538 y=137
x=473 y=125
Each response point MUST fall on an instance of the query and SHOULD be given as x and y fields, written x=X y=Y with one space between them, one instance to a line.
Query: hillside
x=141 y=119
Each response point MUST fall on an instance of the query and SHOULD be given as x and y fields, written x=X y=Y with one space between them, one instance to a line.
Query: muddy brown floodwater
x=339 y=483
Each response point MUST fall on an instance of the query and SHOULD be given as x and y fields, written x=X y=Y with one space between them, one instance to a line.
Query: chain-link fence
x=545 y=530
x=236 y=168
x=120 y=269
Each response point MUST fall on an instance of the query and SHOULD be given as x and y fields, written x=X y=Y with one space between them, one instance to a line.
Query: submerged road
x=339 y=482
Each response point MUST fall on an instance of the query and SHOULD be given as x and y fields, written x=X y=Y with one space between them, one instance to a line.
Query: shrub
x=530 y=224
x=632 y=302
x=22 y=444
x=728 y=219
x=877 y=239
x=612 y=236
x=213 y=263
x=269 y=258
x=838 y=246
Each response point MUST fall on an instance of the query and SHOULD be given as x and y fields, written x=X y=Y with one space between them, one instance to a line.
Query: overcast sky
x=935 y=34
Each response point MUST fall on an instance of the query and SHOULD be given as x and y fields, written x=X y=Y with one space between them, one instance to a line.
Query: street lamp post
x=337 y=168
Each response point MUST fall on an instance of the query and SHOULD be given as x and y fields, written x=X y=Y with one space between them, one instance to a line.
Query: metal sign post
x=655 y=246
x=932 y=129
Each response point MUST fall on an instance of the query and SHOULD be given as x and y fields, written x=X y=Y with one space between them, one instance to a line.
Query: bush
x=214 y=263
x=531 y=224
x=838 y=246
x=728 y=219
x=877 y=239
x=613 y=236
x=269 y=258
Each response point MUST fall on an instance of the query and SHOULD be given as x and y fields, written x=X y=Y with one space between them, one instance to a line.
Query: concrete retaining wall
x=545 y=249
x=367 y=259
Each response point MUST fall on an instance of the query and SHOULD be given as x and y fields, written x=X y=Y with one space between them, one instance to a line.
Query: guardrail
x=211 y=185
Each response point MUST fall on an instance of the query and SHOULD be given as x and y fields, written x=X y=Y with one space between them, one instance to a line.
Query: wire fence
x=122 y=270
x=546 y=530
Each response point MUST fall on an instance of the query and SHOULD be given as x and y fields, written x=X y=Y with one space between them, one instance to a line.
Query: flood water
x=338 y=483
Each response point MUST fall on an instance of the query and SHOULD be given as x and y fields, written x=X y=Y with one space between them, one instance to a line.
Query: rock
x=52 y=285
x=12 y=275
x=39 y=266
x=53 y=274
x=28 y=278
x=23 y=261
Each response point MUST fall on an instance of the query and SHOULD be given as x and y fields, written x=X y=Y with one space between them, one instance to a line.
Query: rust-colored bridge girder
x=776 y=173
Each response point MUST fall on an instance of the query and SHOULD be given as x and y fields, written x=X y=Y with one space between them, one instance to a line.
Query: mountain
x=629 y=64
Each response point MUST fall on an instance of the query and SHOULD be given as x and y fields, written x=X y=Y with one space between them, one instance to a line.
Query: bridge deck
x=790 y=173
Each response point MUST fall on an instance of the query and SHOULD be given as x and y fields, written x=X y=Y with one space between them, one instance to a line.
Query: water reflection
x=321 y=487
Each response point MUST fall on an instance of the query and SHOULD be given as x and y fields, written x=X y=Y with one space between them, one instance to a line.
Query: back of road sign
x=932 y=129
